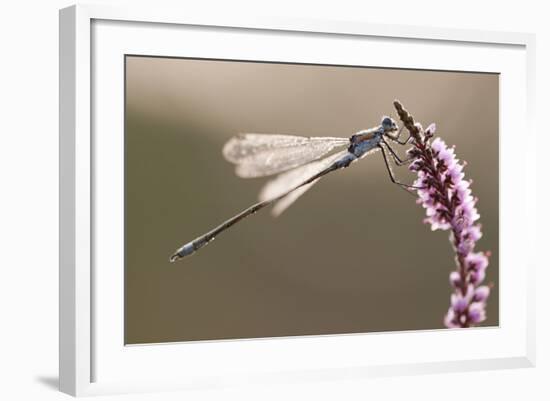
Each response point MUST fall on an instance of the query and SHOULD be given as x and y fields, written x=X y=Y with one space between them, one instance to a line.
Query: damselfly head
x=389 y=124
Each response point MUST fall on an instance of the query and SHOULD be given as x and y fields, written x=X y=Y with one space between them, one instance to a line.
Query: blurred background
x=352 y=255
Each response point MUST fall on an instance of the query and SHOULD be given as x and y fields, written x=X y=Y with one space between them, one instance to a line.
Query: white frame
x=76 y=170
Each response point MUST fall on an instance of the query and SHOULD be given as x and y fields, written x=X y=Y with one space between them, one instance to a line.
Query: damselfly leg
x=395 y=138
x=406 y=187
x=396 y=157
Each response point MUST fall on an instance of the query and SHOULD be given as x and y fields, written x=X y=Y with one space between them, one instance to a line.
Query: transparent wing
x=290 y=179
x=281 y=205
x=258 y=155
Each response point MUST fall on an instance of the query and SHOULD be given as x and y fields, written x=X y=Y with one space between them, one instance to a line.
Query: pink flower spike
x=450 y=205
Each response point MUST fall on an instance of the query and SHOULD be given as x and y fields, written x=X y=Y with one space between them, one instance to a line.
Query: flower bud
x=477 y=277
x=476 y=312
x=455 y=280
x=481 y=293
x=477 y=261
x=459 y=303
x=450 y=319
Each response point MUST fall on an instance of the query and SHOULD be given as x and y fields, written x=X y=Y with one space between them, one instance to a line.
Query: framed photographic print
x=365 y=185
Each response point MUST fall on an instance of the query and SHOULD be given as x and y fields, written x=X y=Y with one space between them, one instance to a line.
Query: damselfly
x=299 y=162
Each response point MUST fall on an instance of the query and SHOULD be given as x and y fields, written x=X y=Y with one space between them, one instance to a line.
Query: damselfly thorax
x=299 y=162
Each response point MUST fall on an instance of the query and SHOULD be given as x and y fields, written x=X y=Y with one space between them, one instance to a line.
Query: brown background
x=352 y=254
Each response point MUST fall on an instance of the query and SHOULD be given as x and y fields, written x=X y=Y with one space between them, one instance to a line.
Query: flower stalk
x=447 y=198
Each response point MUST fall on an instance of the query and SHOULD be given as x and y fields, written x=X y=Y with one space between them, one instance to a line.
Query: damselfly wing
x=259 y=155
x=287 y=180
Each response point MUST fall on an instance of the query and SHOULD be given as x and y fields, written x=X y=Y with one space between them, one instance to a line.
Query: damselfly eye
x=388 y=123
